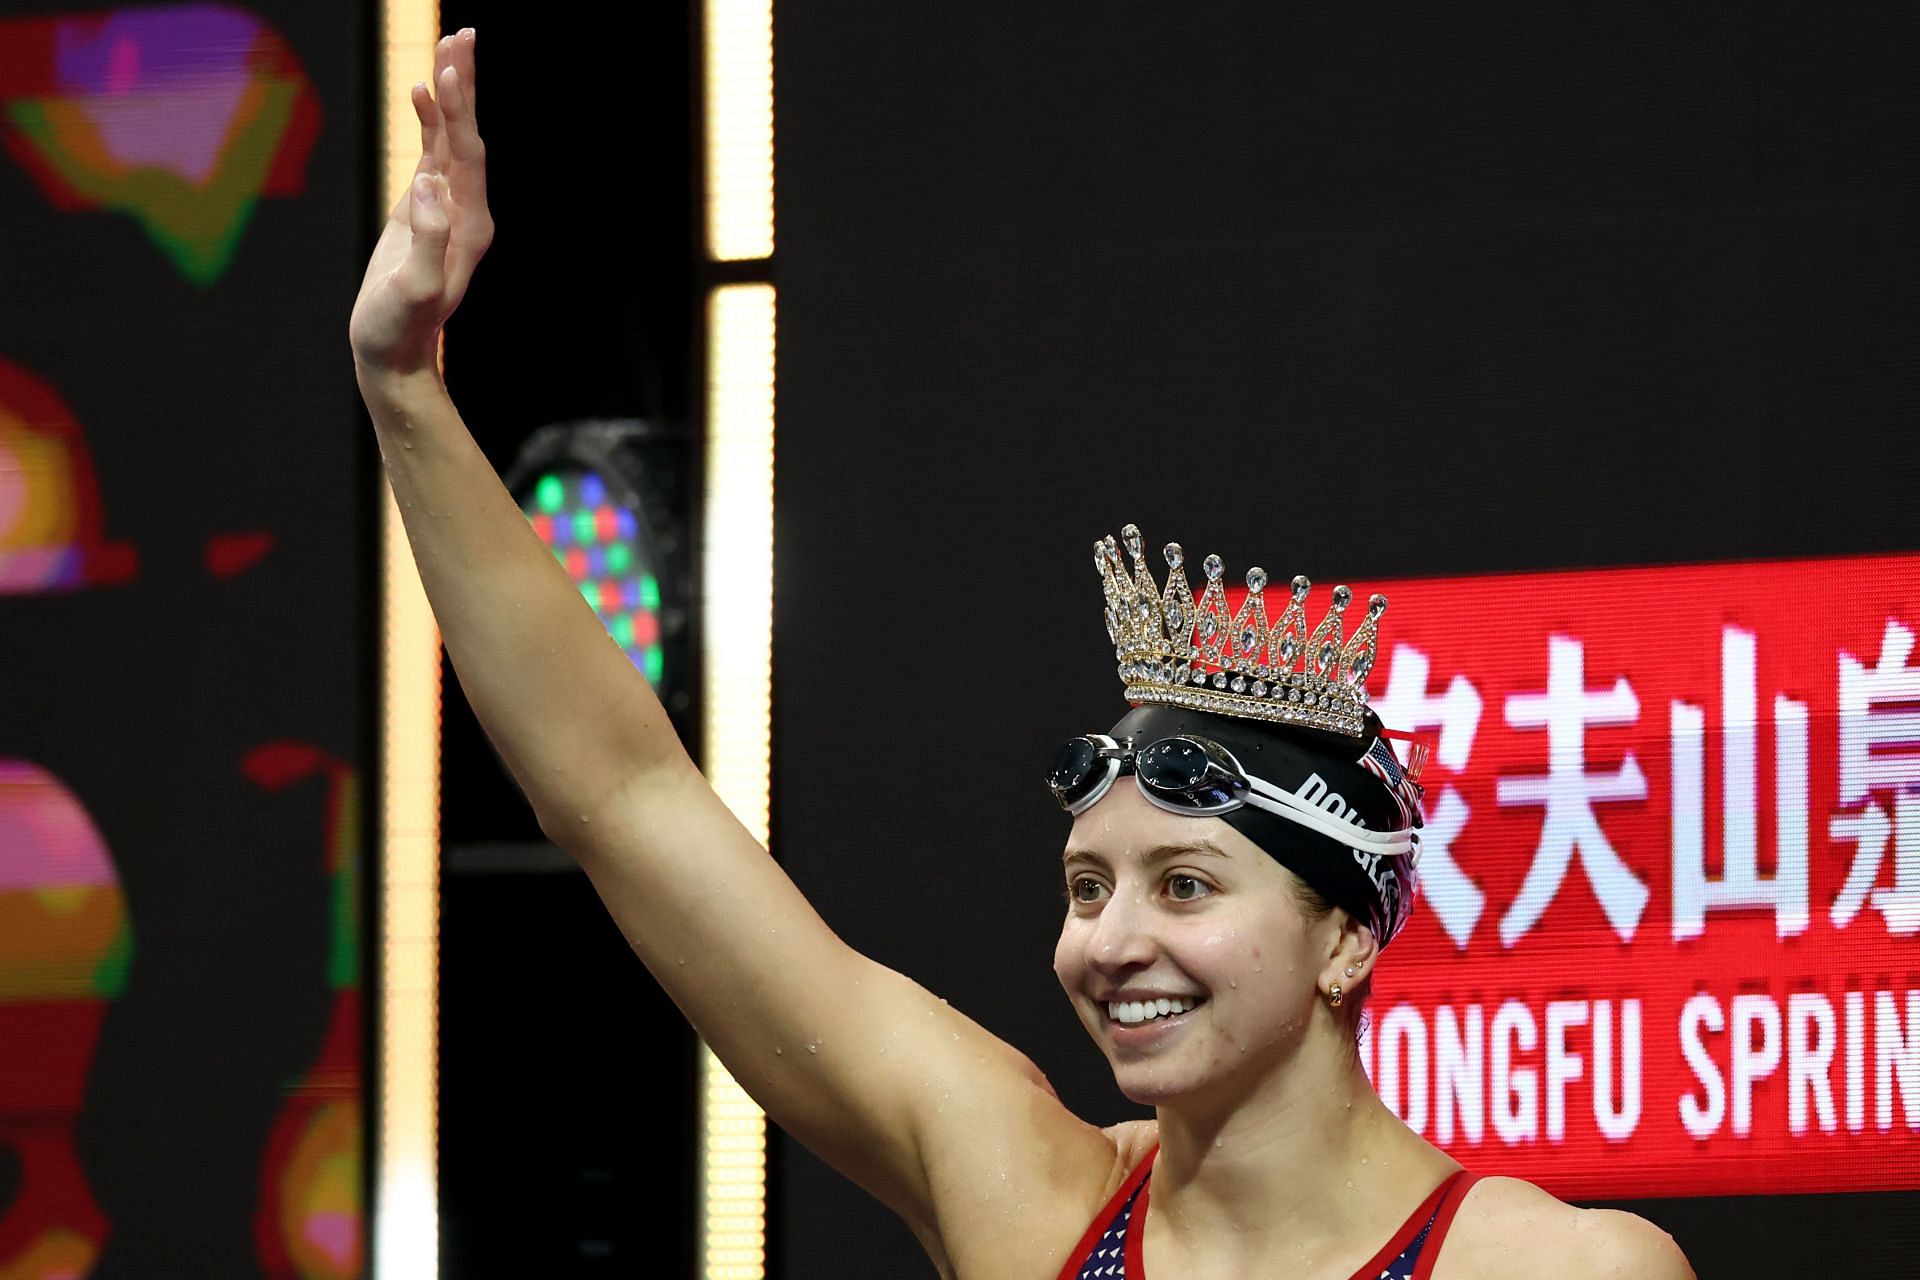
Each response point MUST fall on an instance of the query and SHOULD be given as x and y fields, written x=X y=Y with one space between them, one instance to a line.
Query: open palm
x=437 y=231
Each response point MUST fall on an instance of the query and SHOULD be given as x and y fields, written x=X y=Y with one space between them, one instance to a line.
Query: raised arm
x=872 y=1072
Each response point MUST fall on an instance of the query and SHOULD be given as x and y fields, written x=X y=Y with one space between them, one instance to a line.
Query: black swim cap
x=1358 y=779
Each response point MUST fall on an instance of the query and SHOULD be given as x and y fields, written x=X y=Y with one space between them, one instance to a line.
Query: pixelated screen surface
x=181 y=116
x=184 y=576
x=1664 y=945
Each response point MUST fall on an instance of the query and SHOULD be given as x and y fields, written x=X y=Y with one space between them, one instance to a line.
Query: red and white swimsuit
x=1109 y=1251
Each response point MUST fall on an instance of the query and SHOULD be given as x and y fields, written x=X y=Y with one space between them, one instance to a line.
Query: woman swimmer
x=1213 y=927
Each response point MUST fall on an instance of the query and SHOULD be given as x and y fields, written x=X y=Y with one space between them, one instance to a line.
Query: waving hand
x=436 y=233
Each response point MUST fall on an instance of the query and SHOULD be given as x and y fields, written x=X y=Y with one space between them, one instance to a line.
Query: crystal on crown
x=1179 y=651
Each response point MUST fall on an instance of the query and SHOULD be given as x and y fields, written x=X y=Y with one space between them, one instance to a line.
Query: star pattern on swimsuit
x=1401 y=1268
x=1108 y=1261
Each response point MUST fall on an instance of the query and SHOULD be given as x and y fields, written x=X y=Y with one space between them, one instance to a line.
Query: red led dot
x=577 y=563
x=646 y=628
x=605 y=524
x=609 y=597
x=543 y=525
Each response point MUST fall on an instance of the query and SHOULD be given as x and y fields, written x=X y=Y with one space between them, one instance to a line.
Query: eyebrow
x=1159 y=854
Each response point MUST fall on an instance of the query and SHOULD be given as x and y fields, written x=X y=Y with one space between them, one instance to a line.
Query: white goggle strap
x=1284 y=804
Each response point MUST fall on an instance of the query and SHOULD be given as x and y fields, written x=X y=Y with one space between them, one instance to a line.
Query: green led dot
x=583 y=531
x=622 y=628
x=649 y=592
x=560 y=554
x=590 y=592
x=653 y=663
x=619 y=556
x=550 y=494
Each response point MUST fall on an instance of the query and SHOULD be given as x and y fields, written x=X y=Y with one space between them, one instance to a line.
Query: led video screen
x=1670 y=877
x=185 y=501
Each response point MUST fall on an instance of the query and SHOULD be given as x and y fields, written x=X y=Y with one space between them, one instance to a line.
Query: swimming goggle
x=1198 y=778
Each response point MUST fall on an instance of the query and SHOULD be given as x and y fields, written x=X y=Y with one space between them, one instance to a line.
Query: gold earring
x=1334 y=997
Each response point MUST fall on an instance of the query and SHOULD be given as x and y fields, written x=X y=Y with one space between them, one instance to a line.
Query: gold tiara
x=1180 y=652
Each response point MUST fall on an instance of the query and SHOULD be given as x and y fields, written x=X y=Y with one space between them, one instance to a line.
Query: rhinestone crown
x=1183 y=652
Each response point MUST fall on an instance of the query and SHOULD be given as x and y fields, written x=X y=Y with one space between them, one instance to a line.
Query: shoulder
x=1132 y=1140
x=1509 y=1228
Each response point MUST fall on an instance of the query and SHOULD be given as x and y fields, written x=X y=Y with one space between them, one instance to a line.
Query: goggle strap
x=1285 y=804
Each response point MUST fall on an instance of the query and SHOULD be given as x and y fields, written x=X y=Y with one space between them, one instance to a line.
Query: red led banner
x=1669 y=935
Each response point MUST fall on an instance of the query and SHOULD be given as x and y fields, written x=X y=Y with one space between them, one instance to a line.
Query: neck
x=1309 y=1158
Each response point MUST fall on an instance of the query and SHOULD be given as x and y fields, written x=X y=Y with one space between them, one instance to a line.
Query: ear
x=1350 y=962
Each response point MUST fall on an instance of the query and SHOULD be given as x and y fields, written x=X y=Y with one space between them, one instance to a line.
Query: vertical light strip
x=737 y=630
x=739 y=129
x=737 y=702
x=406 y=1242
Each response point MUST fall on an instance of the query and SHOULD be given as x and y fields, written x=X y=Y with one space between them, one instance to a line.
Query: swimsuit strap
x=1456 y=1189
x=1107 y=1247
x=1111 y=1250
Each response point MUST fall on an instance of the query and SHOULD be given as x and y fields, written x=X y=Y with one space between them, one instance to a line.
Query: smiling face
x=1187 y=910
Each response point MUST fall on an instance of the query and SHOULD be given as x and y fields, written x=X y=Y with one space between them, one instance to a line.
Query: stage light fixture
x=608 y=498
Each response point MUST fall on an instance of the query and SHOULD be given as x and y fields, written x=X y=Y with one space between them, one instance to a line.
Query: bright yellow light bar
x=739 y=129
x=737 y=711
x=406 y=1218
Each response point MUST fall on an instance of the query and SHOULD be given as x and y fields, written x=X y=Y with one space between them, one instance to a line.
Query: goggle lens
x=1185 y=772
x=1072 y=767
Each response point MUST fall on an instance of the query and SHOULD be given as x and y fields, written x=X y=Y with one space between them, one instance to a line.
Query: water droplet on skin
x=682 y=960
x=813 y=1048
x=777 y=1051
x=1234 y=983
x=585 y=818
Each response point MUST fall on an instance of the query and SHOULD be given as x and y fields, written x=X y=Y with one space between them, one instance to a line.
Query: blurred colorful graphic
x=182 y=116
x=65 y=946
x=51 y=522
x=310 y=1224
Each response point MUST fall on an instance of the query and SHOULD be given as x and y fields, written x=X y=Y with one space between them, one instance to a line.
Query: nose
x=1123 y=937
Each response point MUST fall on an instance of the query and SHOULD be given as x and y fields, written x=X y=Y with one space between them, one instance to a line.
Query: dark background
x=567 y=1103
x=1355 y=291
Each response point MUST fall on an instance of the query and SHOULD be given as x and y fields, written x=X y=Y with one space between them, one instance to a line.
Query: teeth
x=1134 y=1012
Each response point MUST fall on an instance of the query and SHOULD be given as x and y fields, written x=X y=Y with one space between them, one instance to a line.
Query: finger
x=467 y=171
x=463 y=46
x=442 y=58
x=433 y=143
x=422 y=277
x=456 y=106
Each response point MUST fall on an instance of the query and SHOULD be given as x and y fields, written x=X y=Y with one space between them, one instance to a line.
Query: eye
x=1085 y=889
x=1184 y=888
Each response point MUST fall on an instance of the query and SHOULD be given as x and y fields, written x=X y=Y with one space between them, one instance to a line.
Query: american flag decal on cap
x=1383 y=764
